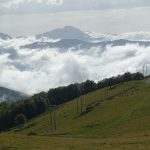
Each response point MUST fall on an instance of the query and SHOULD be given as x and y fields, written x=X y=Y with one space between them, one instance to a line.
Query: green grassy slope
x=23 y=142
x=127 y=114
x=119 y=123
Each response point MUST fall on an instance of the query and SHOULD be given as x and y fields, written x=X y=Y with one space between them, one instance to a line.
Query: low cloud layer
x=132 y=36
x=32 y=71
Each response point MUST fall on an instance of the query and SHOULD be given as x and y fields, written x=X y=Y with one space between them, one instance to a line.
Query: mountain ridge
x=9 y=95
x=77 y=44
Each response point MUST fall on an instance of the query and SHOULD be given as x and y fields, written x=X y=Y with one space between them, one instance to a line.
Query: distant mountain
x=4 y=36
x=78 y=44
x=62 y=44
x=11 y=95
x=68 y=32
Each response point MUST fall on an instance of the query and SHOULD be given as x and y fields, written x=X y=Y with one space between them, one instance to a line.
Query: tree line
x=18 y=112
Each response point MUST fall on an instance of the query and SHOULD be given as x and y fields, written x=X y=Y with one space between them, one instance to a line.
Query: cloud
x=39 y=6
x=16 y=3
x=9 y=3
x=129 y=20
x=132 y=36
x=32 y=71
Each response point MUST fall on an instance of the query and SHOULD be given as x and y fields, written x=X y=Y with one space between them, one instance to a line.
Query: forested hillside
x=21 y=111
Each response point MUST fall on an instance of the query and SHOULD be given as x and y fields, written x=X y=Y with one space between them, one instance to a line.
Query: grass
x=3 y=146
x=118 y=123
x=23 y=142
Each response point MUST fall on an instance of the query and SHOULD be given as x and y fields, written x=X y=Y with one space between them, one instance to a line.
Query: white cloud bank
x=32 y=71
x=16 y=3
x=132 y=36
x=82 y=4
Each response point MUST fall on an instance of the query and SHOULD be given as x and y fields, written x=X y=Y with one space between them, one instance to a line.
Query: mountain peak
x=69 y=27
x=67 y=32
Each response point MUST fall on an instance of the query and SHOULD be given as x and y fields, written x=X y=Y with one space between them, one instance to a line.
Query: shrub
x=20 y=119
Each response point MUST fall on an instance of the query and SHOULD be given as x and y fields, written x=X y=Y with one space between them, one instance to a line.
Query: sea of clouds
x=35 y=70
x=132 y=36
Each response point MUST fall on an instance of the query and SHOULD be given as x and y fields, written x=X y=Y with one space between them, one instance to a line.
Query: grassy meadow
x=117 y=120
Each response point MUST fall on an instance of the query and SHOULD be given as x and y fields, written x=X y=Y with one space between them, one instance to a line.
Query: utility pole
x=106 y=91
x=78 y=98
x=81 y=104
x=53 y=118
x=77 y=105
x=144 y=70
x=80 y=101
x=147 y=69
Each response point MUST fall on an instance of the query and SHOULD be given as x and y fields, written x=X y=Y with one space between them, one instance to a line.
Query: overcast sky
x=26 y=70
x=28 y=17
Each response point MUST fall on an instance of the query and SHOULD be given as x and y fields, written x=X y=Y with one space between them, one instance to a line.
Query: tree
x=88 y=86
x=18 y=112
x=127 y=76
x=30 y=109
x=110 y=82
x=20 y=119
x=138 y=76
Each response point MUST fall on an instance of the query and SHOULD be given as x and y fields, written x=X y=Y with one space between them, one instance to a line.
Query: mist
x=36 y=70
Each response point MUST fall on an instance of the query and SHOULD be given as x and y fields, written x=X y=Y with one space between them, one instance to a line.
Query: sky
x=30 y=17
x=27 y=69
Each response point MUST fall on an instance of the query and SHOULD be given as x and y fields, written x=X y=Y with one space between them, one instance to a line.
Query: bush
x=20 y=119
